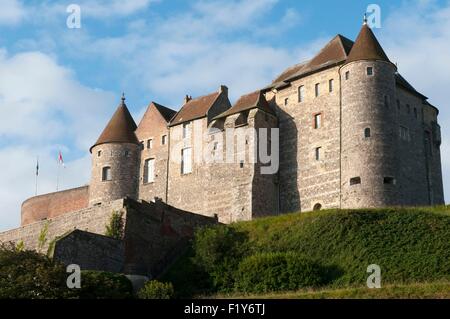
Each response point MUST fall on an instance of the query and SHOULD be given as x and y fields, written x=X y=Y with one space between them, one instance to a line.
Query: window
x=404 y=133
x=106 y=174
x=216 y=145
x=317 y=207
x=126 y=153
x=241 y=164
x=186 y=161
x=186 y=130
x=347 y=75
x=370 y=71
x=331 y=85
x=150 y=144
x=389 y=181
x=386 y=101
x=355 y=181
x=301 y=94
x=149 y=171
x=317 y=86
x=367 y=132
x=318 y=121
x=318 y=153
x=415 y=112
x=99 y=153
x=286 y=101
x=164 y=140
x=398 y=105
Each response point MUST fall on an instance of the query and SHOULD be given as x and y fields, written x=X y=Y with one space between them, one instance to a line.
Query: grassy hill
x=410 y=246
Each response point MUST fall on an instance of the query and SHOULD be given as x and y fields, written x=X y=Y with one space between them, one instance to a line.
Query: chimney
x=223 y=89
x=187 y=98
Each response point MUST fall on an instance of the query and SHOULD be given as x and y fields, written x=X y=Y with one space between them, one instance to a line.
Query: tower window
x=355 y=181
x=331 y=85
x=150 y=144
x=318 y=153
x=318 y=121
x=186 y=160
x=367 y=132
x=164 y=140
x=149 y=171
x=106 y=174
x=389 y=181
x=126 y=153
x=317 y=86
x=301 y=94
x=286 y=101
x=370 y=71
x=99 y=153
x=347 y=75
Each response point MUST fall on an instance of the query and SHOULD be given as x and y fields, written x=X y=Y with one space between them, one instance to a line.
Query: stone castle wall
x=55 y=204
x=304 y=181
x=92 y=219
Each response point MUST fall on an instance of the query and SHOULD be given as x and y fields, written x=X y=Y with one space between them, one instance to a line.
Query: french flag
x=60 y=159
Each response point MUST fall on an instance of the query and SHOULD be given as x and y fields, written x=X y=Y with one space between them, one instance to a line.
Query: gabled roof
x=248 y=102
x=334 y=52
x=401 y=81
x=195 y=109
x=120 y=128
x=367 y=47
x=166 y=113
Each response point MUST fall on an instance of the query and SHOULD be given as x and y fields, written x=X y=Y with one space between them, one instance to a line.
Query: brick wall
x=55 y=204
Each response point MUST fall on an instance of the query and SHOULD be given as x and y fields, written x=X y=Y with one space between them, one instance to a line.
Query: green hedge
x=267 y=272
x=104 y=285
x=156 y=290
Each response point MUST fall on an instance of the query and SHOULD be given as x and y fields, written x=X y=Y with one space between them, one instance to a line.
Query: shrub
x=115 y=227
x=29 y=275
x=104 y=285
x=156 y=290
x=218 y=251
x=266 y=272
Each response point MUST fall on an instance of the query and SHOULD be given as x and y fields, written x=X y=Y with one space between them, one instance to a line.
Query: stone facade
x=123 y=161
x=353 y=133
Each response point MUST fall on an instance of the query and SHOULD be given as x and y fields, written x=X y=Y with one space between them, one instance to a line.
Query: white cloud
x=43 y=109
x=11 y=12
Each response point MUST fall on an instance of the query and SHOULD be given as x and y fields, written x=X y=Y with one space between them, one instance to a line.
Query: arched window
x=317 y=207
x=367 y=132
x=106 y=174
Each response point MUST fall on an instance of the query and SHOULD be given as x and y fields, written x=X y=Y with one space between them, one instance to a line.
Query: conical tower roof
x=367 y=47
x=120 y=128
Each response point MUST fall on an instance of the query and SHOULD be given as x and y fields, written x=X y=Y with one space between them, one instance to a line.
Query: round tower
x=368 y=150
x=115 y=160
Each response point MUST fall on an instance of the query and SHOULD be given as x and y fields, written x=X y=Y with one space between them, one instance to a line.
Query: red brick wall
x=55 y=204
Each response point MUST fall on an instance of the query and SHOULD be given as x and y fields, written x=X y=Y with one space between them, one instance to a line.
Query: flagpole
x=57 y=176
x=37 y=175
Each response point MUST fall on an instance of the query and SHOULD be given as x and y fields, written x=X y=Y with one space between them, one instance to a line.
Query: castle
x=350 y=132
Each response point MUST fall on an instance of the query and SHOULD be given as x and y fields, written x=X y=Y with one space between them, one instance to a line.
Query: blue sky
x=59 y=86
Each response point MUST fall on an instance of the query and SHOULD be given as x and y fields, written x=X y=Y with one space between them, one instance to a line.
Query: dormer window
x=242 y=119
